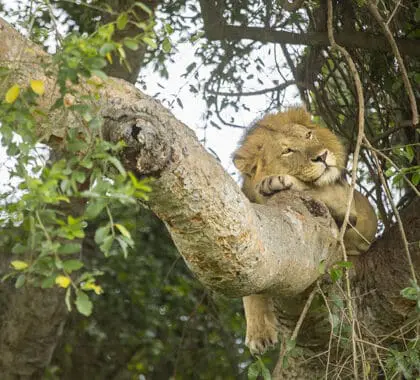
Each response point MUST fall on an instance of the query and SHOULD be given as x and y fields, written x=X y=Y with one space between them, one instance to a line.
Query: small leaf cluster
x=258 y=368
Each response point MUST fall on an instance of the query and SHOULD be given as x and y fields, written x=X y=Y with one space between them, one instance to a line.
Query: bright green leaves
x=53 y=202
x=72 y=265
x=337 y=270
x=122 y=21
x=83 y=303
x=401 y=169
x=412 y=293
x=112 y=236
x=258 y=368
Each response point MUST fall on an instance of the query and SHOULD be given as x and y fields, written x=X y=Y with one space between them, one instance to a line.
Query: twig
x=401 y=125
x=303 y=313
x=330 y=319
x=279 y=366
x=279 y=87
x=393 y=12
x=375 y=13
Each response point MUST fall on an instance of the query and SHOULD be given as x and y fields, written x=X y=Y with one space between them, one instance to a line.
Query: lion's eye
x=287 y=151
x=309 y=135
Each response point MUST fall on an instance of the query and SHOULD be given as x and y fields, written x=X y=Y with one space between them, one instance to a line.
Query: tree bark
x=232 y=246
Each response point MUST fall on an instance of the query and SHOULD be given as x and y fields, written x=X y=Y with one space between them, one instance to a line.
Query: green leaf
x=105 y=247
x=72 y=265
x=290 y=345
x=264 y=370
x=97 y=63
x=336 y=274
x=48 y=282
x=416 y=178
x=106 y=48
x=131 y=44
x=20 y=281
x=254 y=371
x=144 y=7
x=95 y=207
x=410 y=293
x=168 y=29
x=265 y=373
x=117 y=163
x=101 y=233
x=344 y=264
x=166 y=45
x=123 y=230
x=69 y=248
x=123 y=244
x=150 y=42
x=122 y=21
x=83 y=303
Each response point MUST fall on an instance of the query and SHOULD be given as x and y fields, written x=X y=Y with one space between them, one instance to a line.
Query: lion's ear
x=245 y=160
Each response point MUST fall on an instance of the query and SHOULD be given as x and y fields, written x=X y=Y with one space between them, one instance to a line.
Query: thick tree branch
x=232 y=246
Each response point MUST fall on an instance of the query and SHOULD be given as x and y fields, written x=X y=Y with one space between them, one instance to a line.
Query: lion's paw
x=274 y=183
x=262 y=336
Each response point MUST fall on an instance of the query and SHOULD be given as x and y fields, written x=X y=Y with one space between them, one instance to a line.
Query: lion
x=288 y=151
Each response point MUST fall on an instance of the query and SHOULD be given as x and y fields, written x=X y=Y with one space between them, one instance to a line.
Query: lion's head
x=289 y=143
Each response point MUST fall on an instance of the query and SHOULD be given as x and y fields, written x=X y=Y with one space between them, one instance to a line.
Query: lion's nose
x=322 y=157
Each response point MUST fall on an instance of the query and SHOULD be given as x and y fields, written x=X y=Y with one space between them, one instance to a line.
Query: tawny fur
x=288 y=151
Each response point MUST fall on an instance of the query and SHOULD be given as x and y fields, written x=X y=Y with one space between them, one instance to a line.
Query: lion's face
x=298 y=151
x=288 y=143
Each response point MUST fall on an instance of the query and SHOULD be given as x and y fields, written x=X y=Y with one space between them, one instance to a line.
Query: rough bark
x=232 y=246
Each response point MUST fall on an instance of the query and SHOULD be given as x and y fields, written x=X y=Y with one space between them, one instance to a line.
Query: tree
x=230 y=245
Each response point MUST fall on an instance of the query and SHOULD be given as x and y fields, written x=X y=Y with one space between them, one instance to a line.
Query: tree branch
x=217 y=29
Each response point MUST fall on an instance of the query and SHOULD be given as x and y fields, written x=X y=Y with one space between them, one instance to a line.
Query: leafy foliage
x=59 y=198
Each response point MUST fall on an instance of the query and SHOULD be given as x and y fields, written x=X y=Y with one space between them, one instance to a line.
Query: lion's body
x=287 y=151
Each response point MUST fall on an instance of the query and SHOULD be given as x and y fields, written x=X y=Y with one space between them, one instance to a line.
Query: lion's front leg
x=274 y=183
x=261 y=323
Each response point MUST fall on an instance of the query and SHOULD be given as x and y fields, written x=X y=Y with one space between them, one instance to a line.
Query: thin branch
x=401 y=125
x=280 y=87
x=279 y=366
x=393 y=12
x=375 y=13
